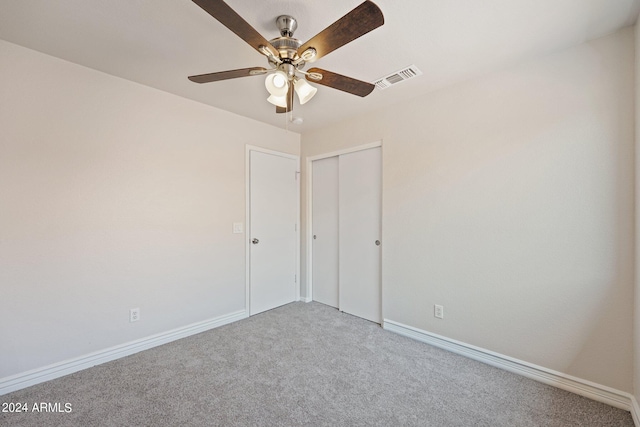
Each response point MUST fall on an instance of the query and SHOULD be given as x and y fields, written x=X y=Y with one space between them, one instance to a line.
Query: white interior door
x=325 y=230
x=360 y=197
x=273 y=232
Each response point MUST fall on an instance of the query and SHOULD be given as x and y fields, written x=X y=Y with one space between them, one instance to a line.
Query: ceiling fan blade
x=225 y=75
x=340 y=82
x=354 y=24
x=230 y=19
x=290 y=97
x=289 y=102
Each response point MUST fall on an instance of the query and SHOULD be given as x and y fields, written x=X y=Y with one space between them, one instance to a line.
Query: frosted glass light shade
x=279 y=101
x=277 y=83
x=304 y=91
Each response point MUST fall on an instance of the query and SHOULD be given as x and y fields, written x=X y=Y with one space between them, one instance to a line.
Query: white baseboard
x=585 y=388
x=635 y=411
x=56 y=370
x=305 y=299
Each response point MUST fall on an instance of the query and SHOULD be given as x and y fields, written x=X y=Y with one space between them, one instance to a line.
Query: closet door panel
x=360 y=201
x=325 y=231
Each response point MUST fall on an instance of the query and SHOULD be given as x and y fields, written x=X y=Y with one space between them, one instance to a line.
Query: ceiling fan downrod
x=287 y=25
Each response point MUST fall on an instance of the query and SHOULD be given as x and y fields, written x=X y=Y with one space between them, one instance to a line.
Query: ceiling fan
x=287 y=56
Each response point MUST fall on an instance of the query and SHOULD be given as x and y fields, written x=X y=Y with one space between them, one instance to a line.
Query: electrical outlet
x=134 y=315
x=438 y=311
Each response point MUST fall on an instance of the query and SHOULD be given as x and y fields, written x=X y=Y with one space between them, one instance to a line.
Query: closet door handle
x=255 y=241
x=377 y=242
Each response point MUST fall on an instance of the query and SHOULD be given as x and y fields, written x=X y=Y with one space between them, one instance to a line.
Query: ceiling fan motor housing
x=287 y=48
x=286 y=45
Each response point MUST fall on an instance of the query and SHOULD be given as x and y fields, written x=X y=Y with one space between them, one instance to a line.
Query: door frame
x=309 y=217
x=247 y=231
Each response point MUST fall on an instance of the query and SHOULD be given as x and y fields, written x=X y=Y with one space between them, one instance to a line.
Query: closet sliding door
x=360 y=204
x=346 y=215
x=325 y=231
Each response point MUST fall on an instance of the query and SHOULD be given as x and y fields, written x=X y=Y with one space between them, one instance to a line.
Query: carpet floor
x=303 y=365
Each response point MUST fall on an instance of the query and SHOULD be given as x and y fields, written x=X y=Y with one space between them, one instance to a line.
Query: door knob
x=377 y=242
x=255 y=241
x=314 y=237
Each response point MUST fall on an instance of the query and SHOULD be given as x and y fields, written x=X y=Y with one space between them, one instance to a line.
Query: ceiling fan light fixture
x=278 y=101
x=304 y=91
x=277 y=84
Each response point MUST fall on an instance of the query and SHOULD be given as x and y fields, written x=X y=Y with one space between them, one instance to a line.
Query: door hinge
x=296 y=175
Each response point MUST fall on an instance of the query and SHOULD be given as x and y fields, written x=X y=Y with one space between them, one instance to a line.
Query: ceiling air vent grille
x=397 y=77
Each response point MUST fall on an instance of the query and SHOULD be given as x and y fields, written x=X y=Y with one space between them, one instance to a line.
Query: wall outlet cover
x=134 y=315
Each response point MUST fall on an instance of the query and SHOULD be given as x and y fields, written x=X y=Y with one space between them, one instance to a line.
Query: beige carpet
x=304 y=364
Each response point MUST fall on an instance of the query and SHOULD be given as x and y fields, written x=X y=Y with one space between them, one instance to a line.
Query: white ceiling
x=160 y=42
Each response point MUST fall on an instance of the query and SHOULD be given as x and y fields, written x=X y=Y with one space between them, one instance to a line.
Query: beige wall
x=113 y=195
x=509 y=200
